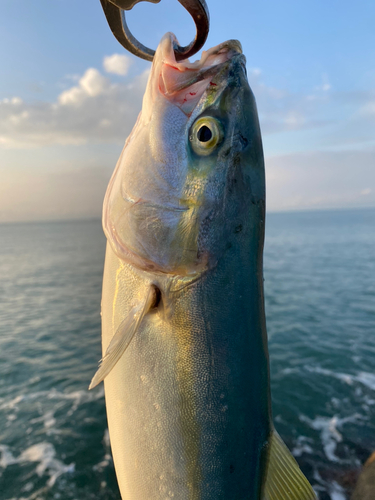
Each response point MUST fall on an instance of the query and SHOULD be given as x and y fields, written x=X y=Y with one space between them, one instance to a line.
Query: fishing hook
x=114 y=12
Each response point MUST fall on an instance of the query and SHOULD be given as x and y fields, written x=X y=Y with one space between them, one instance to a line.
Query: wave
x=44 y=454
x=78 y=398
x=329 y=433
x=364 y=378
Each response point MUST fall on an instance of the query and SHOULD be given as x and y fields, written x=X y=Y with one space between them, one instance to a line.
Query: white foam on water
x=7 y=457
x=44 y=454
x=106 y=439
x=28 y=486
x=103 y=464
x=329 y=433
x=13 y=403
x=344 y=377
x=37 y=495
x=320 y=484
x=302 y=446
x=107 y=457
x=365 y=378
x=48 y=420
x=336 y=491
x=288 y=371
x=78 y=397
x=369 y=401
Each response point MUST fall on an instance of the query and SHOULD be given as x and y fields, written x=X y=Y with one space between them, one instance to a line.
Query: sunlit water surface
x=320 y=304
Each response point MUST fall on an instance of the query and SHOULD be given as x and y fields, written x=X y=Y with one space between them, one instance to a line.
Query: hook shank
x=114 y=11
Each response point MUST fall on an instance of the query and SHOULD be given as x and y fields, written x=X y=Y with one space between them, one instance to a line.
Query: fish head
x=191 y=166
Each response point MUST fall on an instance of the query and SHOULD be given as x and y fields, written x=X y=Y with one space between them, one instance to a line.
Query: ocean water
x=320 y=305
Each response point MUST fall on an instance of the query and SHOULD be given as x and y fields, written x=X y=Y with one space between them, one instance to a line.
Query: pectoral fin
x=284 y=480
x=122 y=338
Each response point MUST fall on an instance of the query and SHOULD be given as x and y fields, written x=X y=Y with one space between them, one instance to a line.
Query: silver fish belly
x=185 y=359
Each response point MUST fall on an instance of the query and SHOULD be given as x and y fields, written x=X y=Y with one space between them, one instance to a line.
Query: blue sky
x=70 y=94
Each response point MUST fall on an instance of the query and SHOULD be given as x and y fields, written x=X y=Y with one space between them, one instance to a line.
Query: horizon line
x=272 y=211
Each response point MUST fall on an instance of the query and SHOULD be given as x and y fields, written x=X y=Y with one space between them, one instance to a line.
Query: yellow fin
x=284 y=480
x=122 y=338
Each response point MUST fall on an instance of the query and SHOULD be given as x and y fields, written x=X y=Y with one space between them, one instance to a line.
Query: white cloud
x=74 y=77
x=281 y=110
x=294 y=120
x=91 y=84
x=74 y=95
x=254 y=72
x=95 y=110
x=325 y=86
x=117 y=64
x=14 y=100
x=368 y=108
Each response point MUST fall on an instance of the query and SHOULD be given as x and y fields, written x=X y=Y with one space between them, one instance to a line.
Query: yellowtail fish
x=185 y=359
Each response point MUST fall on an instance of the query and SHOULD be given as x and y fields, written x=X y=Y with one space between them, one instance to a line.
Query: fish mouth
x=183 y=83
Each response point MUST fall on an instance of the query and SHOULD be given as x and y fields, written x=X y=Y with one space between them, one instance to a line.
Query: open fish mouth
x=183 y=83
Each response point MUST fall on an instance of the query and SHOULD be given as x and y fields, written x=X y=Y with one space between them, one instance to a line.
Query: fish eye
x=205 y=135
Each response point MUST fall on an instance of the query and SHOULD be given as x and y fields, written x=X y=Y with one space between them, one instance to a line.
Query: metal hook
x=114 y=12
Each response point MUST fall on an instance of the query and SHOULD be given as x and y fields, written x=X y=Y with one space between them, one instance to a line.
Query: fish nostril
x=157 y=298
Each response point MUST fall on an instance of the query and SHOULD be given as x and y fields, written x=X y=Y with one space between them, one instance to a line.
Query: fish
x=185 y=358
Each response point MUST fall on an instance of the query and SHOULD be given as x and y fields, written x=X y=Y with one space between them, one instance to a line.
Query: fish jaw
x=183 y=83
x=166 y=209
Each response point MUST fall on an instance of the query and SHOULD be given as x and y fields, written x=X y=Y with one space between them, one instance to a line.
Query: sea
x=319 y=270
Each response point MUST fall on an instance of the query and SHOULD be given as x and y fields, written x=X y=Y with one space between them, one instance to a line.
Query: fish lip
x=175 y=77
x=168 y=53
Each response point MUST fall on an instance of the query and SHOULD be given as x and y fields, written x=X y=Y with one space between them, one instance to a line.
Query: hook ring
x=114 y=11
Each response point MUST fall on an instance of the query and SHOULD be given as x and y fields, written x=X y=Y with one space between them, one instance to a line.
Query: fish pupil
x=204 y=134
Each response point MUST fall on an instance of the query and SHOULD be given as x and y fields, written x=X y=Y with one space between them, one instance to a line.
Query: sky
x=70 y=95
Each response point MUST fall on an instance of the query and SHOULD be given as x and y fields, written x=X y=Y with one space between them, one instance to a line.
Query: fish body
x=185 y=363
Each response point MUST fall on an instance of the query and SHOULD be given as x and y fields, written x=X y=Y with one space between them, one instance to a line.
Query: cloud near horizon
x=315 y=180
x=321 y=180
x=95 y=110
